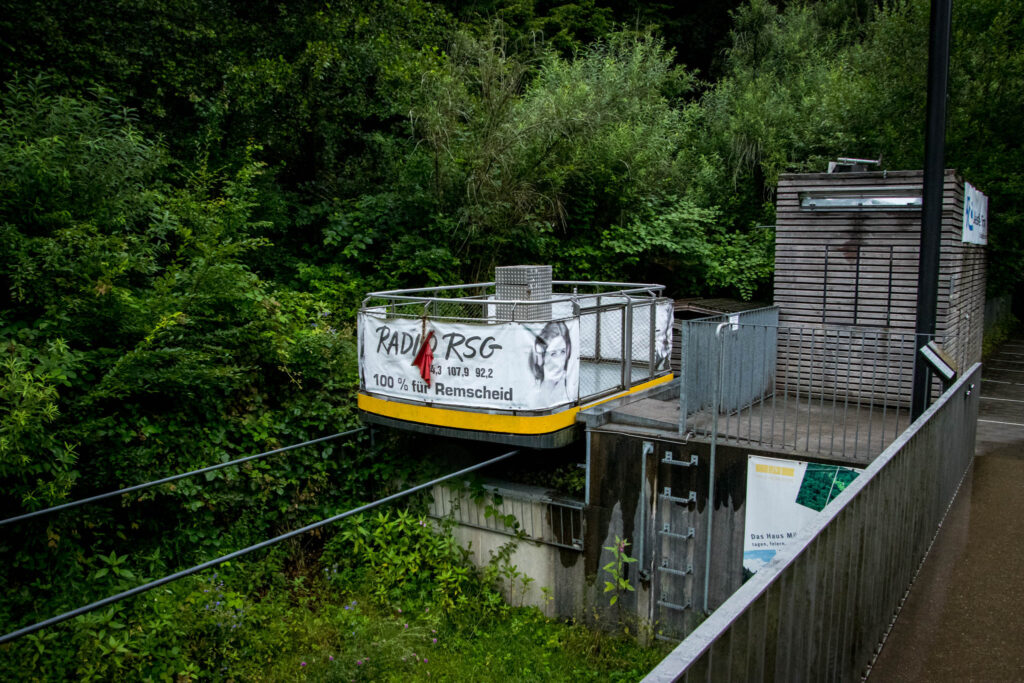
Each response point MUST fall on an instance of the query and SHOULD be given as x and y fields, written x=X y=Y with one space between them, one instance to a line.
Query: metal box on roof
x=523 y=283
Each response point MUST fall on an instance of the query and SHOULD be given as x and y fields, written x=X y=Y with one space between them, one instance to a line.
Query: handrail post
x=650 y=338
x=627 y=346
x=711 y=465
x=684 y=347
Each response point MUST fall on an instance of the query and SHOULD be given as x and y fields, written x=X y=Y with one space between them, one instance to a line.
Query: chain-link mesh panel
x=643 y=331
x=589 y=322
x=601 y=342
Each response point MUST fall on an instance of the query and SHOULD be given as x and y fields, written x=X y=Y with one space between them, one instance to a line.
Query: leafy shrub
x=399 y=555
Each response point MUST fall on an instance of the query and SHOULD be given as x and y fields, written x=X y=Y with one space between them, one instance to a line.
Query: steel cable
x=175 y=477
x=13 y=635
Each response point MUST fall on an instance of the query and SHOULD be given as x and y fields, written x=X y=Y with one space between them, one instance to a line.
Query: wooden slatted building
x=846 y=264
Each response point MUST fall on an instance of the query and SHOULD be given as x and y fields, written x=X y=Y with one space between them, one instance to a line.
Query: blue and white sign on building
x=975 y=215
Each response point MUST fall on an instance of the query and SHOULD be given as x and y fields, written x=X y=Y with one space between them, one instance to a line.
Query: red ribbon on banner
x=424 y=357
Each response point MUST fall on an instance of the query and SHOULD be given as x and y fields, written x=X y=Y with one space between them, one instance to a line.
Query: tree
x=525 y=159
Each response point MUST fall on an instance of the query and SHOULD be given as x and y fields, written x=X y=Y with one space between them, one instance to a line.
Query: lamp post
x=931 y=213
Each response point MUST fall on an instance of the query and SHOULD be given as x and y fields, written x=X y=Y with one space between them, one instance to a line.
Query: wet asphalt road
x=964 y=617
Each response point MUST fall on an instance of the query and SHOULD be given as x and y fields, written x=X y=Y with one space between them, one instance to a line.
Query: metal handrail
x=589 y=308
x=417 y=295
x=717 y=316
x=820 y=607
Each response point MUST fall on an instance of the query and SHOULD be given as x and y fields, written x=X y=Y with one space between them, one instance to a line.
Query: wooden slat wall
x=885 y=310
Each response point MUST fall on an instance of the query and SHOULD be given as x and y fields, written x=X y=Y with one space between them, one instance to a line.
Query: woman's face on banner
x=662 y=329
x=554 y=360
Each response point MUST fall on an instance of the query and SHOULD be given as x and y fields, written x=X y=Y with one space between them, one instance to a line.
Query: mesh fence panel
x=601 y=368
x=643 y=331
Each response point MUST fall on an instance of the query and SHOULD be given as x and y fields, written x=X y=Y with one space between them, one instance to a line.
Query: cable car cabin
x=511 y=361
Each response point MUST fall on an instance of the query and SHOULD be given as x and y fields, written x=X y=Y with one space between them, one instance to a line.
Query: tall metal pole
x=931 y=214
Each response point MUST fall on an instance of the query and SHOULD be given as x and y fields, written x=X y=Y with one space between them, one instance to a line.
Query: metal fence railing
x=602 y=338
x=625 y=330
x=479 y=302
x=819 y=609
x=835 y=391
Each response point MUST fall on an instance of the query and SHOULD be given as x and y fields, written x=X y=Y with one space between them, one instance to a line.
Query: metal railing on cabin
x=820 y=608
x=478 y=302
x=623 y=339
x=842 y=392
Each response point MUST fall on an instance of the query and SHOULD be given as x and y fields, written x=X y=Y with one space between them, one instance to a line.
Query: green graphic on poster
x=822 y=483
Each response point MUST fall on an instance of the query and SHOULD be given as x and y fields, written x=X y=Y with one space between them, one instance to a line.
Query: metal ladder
x=673 y=567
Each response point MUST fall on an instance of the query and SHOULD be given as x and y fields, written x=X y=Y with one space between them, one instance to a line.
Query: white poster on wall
x=506 y=366
x=975 y=229
x=782 y=497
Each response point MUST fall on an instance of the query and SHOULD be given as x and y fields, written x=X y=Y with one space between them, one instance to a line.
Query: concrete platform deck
x=817 y=427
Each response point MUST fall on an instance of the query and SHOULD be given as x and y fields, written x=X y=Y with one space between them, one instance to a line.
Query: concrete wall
x=546 y=535
x=622 y=505
x=627 y=484
x=559 y=570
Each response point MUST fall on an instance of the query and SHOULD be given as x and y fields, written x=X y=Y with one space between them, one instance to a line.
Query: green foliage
x=524 y=155
x=138 y=340
x=998 y=334
x=807 y=82
x=616 y=569
x=569 y=479
x=217 y=627
x=401 y=556
x=37 y=466
x=690 y=243
x=334 y=621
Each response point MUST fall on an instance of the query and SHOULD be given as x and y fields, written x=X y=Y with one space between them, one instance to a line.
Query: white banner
x=975 y=229
x=782 y=497
x=506 y=366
